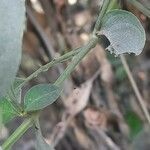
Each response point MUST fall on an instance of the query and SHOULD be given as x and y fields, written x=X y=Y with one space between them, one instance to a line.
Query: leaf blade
x=40 y=96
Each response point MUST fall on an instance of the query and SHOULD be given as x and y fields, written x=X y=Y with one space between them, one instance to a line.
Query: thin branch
x=84 y=49
x=55 y=61
x=17 y=134
x=135 y=88
x=100 y=16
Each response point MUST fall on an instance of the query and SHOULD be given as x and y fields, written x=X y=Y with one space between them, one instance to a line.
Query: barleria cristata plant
x=123 y=30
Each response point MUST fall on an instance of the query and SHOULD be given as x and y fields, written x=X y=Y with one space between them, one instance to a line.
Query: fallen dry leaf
x=78 y=99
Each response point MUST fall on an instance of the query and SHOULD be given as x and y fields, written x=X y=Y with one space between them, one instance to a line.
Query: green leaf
x=40 y=96
x=134 y=122
x=8 y=110
x=124 y=32
x=12 y=24
x=41 y=143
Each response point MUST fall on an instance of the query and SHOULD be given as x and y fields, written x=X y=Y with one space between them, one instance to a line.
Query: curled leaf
x=124 y=32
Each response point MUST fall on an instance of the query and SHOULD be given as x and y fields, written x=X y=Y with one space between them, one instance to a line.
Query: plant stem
x=135 y=88
x=141 y=7
x=76 y=59
x=44 y=68
x=100 y=16
x=85 y=49
x=17 y=134
x=79 y=54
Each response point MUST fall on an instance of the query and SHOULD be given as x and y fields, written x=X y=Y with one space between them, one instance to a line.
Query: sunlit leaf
x=12 y=24
x=40 y=96
x=124 y=31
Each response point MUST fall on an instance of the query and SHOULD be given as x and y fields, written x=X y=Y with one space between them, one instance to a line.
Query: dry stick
x=107 y=140
x=136 y=90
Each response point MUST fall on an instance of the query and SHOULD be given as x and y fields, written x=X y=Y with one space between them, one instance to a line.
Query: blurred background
x=98 y=109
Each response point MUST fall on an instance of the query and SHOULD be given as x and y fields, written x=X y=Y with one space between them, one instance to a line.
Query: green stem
x=85 y=49
x=76 y=59
x=113 y=5
x=100 y=16
x=44 y=68
x=141 y=7
x=17 y=134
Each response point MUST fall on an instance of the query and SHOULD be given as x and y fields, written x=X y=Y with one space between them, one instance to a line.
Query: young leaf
x=124 y=32
x=7 y=109
x=40 y=96
x=41 y=143
x=12 y=24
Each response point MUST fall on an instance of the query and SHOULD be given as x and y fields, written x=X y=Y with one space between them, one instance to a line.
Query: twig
x=84 y=49
x=55 y=61
x=135 y=88
x=107 y=140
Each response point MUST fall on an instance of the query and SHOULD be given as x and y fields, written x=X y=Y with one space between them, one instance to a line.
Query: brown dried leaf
x=78 y=99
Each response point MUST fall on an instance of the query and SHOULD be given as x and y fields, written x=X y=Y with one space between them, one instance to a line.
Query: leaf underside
x=12 y=24
x=124 y=31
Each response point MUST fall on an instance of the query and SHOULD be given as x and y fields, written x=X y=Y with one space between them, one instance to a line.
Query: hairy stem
x=135 y=88
x=17 y=134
